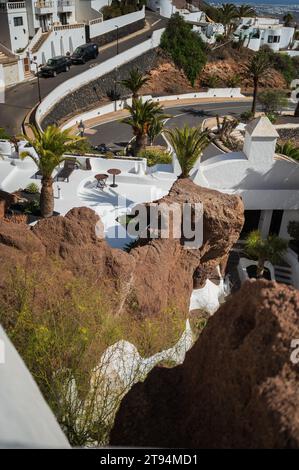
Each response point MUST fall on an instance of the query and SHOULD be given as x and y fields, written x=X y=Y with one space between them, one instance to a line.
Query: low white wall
x=120 y=104
x=97 y=29
x=95 y=72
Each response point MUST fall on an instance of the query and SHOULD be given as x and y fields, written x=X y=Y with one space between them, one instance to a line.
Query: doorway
x=252 y=219
x=275 y=222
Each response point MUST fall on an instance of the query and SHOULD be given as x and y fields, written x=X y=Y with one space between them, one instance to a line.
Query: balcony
x=8 y=6
x=44 y=7
x=65 y=6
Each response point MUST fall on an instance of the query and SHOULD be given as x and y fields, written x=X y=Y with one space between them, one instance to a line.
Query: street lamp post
x=38 y=81
x=117 y=50
x=81 y=128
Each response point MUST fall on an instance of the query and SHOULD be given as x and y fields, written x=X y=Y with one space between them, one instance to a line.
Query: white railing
x=12 y=6
x=34 y=40
x=68 y=26
x=65 y=3
x=97 y=20
x=44 y=4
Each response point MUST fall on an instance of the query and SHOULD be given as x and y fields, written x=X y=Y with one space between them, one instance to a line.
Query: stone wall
x=122 y=32
x=92 y=94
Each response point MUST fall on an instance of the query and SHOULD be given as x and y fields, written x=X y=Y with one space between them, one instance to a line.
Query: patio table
x=114 y=172
x=101 y=180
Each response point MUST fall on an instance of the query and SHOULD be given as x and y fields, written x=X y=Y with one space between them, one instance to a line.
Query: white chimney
x=260 y=142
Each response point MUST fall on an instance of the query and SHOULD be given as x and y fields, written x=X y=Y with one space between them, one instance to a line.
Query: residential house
x=258 y=32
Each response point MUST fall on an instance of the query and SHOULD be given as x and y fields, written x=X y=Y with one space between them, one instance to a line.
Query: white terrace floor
x=82 y=190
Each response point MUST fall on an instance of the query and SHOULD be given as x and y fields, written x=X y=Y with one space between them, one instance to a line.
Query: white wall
x=59 y=42
x=19 y=34
x=95 y=72
x=109 y=25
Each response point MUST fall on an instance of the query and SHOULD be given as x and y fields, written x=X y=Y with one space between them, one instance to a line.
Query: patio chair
x=67 y=170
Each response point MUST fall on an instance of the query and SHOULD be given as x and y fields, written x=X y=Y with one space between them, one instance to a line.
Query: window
x=270 y=39
x=18 y=21
x=276 y=39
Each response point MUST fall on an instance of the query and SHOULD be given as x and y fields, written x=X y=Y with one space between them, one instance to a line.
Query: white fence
x=95 y=72
x=98 y=28
x=120 y=104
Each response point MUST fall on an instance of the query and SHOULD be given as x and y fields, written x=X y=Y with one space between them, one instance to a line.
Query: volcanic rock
x=157 y=274
x=238 y=387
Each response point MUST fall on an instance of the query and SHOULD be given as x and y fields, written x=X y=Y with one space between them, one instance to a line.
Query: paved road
x=192 y=115
x=23 y=97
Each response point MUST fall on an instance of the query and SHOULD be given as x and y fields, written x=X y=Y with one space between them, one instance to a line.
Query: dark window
x=270 y=39
x=18 y=21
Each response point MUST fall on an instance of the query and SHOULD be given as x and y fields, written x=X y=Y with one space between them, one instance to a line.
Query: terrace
x=134 y=185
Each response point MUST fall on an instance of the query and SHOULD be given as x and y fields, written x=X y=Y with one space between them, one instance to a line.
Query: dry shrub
x=61 y=325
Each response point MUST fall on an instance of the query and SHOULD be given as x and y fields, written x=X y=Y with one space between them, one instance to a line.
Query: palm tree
x=257 y=68
x=287 y=19
x=228 y=14
x=270 y=249
x=245 y=11
x=134 y=82
x=288 y=149
x=50 y=146
x=188 y=144
x=140 y=119
x=155 y=129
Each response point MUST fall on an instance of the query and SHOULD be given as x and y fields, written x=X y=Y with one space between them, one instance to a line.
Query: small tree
x=244 y=11
x=140 y=119
x=135 y=81
x=273 y=100
x=50 y=147
x=228 y=15
x=184 y=46
x=270 y=249
x=188 y=144
x=155 y=129
x=287 y=19
x=257 y=68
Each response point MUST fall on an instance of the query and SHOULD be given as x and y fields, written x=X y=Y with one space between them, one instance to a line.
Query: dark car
x=84 y=53
x=55 y=66
x=102 y=148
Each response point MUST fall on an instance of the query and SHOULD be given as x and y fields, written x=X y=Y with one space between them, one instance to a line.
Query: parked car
x=84 y=53
x=102 y=148
x=55 y=65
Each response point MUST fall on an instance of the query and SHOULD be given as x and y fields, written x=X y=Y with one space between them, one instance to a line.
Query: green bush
x=155 y=156
x=246 y=116
x=61 y=326
x=4 y=134
x=32 y=188
x=184 y=46
x=272 y=117
x=273 y=101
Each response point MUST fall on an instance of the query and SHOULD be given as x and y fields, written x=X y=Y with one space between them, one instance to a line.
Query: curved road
x=192 y=115
x=21 y=98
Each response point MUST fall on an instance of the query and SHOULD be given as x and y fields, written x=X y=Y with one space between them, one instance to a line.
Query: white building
x=268 y=183
x=37 y=30
x=207 y=29
x=258 y=32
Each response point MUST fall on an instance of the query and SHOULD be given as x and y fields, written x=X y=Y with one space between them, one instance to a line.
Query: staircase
x=283 y=274
x=3 y=57
x=41 y=40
